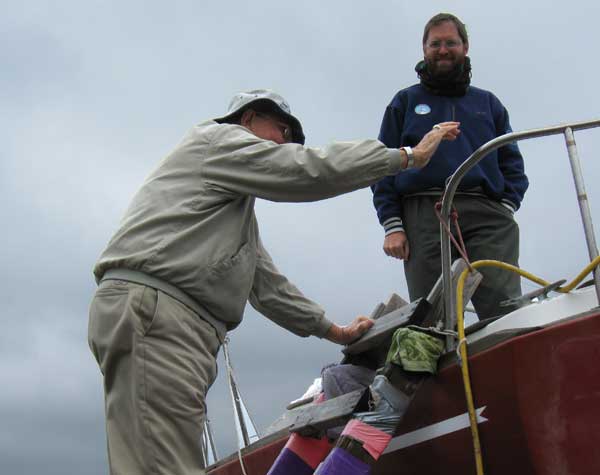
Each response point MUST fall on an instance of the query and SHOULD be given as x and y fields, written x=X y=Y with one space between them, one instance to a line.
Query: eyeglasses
x=286 y=130
x=449 y=44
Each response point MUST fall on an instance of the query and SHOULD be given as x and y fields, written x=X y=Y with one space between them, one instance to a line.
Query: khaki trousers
x=158 y=359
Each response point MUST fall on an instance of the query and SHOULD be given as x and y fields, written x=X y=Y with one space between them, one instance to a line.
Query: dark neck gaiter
x=453 y=83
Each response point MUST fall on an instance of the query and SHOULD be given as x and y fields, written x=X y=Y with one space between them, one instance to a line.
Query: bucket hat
x=265 y=100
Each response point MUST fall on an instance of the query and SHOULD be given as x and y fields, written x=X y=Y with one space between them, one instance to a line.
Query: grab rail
x=454 y=180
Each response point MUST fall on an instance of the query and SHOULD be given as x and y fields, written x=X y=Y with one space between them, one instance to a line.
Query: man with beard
x=488 y=195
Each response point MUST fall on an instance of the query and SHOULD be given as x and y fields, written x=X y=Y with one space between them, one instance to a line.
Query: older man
x=488 y=195
x=187 y=257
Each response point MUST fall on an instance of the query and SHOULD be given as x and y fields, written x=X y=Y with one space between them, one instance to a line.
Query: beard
x=445 y=81
x=452 y=69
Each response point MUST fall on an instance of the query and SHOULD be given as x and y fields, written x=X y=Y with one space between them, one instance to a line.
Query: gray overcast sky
x=93 y=93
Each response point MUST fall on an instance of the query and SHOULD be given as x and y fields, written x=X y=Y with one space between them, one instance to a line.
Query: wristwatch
x=410 y=163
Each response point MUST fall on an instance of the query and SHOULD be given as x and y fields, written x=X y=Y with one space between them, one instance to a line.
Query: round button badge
x=422 y=109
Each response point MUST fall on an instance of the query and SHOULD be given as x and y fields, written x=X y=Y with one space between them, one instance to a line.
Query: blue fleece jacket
x=413 y=112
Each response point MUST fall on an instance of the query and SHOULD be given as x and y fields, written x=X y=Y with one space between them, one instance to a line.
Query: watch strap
x=410 y=162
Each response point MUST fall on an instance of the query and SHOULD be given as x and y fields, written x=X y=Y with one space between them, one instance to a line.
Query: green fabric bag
x=415 y=350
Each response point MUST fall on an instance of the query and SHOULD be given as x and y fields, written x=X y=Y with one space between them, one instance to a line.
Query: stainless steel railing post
x=452 y=185
x=449 y=297
x=584 y=207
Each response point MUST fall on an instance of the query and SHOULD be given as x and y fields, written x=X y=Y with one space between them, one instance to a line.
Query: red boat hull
x=539 y=398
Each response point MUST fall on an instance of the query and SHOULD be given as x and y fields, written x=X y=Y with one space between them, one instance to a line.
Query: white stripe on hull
x=433 y=431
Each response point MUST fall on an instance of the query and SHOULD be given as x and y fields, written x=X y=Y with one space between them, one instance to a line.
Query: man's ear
x=246 y=118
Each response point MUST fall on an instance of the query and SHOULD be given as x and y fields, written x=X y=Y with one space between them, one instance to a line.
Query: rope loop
x=461 y=248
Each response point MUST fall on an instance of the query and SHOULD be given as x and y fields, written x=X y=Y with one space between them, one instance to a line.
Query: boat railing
x=454 y=180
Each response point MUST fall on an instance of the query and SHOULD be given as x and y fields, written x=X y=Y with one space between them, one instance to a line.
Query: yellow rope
x=589 y=268
x=462 y=345
x=464 y=367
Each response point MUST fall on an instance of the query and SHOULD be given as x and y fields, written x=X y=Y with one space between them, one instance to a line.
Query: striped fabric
x=300 y=456
x=340 y=462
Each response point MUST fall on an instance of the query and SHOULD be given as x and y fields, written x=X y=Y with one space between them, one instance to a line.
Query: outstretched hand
x=347 y=334
x=425 y=149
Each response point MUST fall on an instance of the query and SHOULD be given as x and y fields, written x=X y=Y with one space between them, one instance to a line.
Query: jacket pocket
x=227 y=285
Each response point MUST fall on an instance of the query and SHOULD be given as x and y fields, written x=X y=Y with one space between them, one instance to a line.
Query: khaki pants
x=158 y=359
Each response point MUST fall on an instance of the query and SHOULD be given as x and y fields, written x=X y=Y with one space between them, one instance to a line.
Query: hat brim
x=267 y=105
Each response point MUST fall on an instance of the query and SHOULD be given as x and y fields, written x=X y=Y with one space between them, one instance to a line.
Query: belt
x=171 y=290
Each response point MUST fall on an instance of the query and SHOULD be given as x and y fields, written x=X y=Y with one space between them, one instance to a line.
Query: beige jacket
x=192 y=223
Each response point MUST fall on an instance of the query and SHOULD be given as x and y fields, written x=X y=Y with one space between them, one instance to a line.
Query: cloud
x=96 y=93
